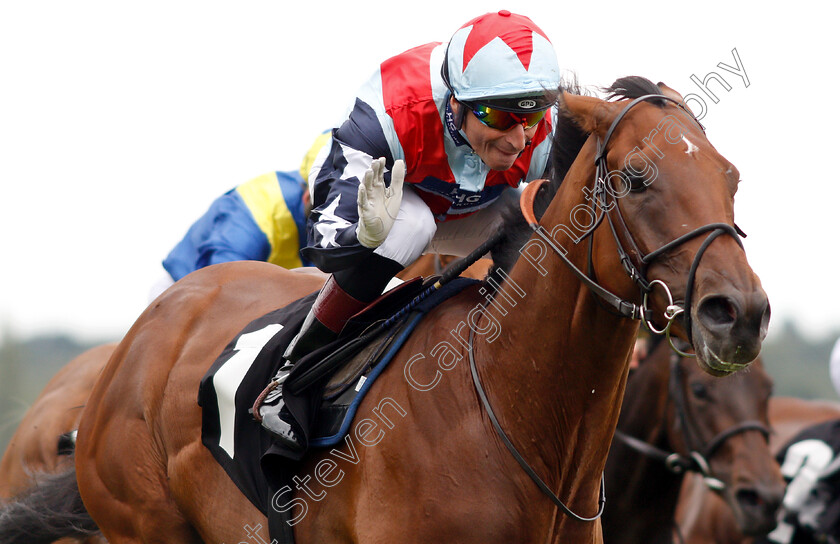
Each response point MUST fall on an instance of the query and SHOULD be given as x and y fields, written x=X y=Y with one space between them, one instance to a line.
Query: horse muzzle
x=728 y=329
x=755 y=508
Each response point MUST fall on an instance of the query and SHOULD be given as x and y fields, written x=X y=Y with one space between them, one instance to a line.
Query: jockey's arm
x=333 y=224
x=235 y=236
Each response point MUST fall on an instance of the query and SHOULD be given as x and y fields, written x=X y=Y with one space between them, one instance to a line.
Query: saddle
x=322 y=392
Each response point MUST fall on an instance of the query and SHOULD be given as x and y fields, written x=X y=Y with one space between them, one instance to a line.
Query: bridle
x=697 y=460
x=699 y=452
x=605 y=202
x=624 y=308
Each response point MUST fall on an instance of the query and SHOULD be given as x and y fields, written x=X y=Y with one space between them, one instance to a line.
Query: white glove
x=378 y=205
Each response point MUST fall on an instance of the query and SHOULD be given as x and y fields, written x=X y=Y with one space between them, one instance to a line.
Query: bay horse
x=56 y=411
x=676 y=419
x=548 y=357
x=703 y=518
x=33 y=450
x=32 y=453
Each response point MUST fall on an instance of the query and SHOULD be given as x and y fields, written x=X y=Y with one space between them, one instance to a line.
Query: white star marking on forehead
x=691 y=148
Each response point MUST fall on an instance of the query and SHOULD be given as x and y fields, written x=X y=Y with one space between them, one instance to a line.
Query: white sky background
x=120 y=122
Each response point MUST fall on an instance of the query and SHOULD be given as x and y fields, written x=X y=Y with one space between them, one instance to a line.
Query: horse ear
x=670 y=93
x=591 y=114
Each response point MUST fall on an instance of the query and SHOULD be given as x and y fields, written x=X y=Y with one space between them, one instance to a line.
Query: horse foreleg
x=123 y=483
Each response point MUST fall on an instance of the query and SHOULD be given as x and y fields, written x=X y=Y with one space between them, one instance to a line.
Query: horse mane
x=566 y=143
x=634 y=87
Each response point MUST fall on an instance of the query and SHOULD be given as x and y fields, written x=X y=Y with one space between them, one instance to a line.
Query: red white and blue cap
x=501 y=56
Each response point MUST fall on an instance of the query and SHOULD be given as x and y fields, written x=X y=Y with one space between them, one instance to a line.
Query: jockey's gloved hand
x=378 y=205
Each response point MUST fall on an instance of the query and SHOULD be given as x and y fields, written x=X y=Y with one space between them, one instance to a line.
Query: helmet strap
x=458 y=119
x=454 y=121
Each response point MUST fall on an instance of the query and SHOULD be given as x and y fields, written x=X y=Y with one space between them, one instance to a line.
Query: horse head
x=677 y=419
x=668 y=198
x=722 y=426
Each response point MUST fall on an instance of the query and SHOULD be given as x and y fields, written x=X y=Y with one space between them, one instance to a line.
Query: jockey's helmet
x=503 y=60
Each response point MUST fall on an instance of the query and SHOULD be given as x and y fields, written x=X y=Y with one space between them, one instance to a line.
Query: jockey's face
x=497 y=148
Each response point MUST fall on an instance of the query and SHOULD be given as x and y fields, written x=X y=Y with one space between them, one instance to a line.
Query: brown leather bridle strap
x=625 y=308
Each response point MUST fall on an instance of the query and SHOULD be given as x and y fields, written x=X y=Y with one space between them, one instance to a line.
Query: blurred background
x=120 y=123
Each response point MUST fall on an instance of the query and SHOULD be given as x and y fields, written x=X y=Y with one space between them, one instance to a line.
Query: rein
x=518 y=456
x=607 y=201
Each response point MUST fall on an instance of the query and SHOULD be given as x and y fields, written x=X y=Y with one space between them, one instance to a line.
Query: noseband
x=605 y=201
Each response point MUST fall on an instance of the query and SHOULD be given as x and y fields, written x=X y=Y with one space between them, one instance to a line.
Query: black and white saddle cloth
x=810 y=463
x=322 y=392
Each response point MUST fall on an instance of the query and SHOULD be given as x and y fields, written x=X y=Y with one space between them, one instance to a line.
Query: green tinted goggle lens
x=503 y=120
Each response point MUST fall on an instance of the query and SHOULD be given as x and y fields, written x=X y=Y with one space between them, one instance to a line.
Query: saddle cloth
x=810 y=463
x=322 y=392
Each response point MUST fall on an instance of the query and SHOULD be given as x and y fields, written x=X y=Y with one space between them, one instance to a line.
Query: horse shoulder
x=420 y=431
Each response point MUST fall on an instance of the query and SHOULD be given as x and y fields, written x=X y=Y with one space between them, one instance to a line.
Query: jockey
x=263 y=219
x=461 y=124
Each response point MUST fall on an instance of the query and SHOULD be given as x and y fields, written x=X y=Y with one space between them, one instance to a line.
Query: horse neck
x=643 y=414
x=645 y=492
x=556 y=372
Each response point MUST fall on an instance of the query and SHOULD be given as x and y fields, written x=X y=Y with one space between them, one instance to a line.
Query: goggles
x=503 y=120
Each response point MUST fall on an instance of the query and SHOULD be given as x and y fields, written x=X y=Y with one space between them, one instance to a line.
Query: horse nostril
x=757 y=506
x=748 y=498
x=765 y=319
x=718 y=311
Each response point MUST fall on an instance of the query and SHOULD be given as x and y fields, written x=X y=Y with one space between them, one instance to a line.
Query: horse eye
x=636 y=180
x=699 y=391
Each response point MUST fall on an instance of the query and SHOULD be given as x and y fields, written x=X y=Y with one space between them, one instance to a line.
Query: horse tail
x=51 y=509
